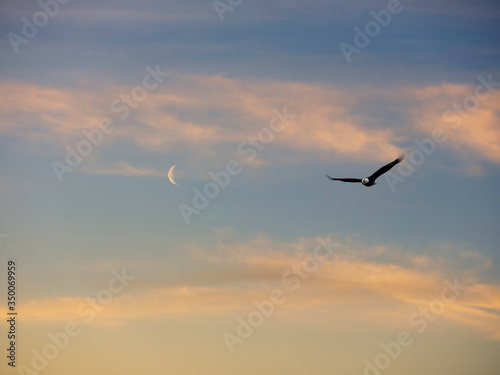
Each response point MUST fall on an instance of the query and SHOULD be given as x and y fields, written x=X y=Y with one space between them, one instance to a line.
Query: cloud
x=37 y=114
x=199 y=114
x=127 y=170
x=470 y=121
x=204 y=119
x=359 y=285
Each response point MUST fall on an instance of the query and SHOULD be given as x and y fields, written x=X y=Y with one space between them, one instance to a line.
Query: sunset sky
x=99 y=99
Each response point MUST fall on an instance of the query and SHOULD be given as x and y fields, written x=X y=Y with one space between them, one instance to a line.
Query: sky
x=253 y=261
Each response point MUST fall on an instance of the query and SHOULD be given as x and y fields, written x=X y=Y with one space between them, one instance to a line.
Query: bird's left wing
x=387 y=167
x=344 y=179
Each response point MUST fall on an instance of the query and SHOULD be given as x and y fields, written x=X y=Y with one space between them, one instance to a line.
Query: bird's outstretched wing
x=344 y=179
x=387 y=167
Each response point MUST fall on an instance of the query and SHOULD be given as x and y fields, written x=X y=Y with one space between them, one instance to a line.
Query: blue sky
x=226 y=81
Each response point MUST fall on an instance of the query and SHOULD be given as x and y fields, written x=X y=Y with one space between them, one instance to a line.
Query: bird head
x=364 y=181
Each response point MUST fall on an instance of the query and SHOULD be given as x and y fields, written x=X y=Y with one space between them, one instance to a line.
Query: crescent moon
x=171 y=175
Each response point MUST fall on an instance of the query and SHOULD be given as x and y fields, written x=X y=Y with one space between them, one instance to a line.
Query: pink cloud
x=205 y=116
x=358 y=285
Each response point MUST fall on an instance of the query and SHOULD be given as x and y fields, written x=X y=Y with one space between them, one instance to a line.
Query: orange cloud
x=209 y=116
x=199 y=113
x=358 y=285
x=470 y=120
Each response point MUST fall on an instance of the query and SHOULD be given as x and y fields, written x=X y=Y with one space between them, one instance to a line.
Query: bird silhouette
x=370 y=181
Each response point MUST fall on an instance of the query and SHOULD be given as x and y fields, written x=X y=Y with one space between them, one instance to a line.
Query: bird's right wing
x=344 y=179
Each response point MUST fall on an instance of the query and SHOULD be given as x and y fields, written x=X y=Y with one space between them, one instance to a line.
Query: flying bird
x=370 y=181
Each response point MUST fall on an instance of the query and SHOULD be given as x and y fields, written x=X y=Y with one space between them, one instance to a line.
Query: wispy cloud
x=372 y=284
x=470 y=121
x=205 y=118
